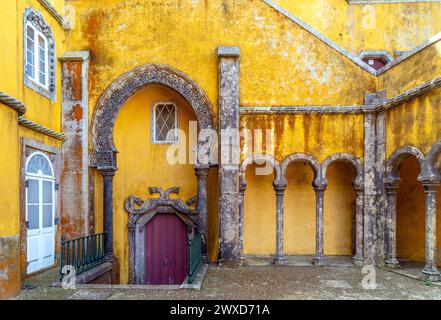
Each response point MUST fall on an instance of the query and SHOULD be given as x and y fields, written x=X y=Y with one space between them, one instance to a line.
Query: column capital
x=228 y=51
x=320 y=185
x=358 y=187
x=107 y=172
x=391 y=186
x=201 y=170
x=279 y=186
x=430 y=186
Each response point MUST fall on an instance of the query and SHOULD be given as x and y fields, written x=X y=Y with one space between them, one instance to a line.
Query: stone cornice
x=41 y=129
x=354 y=109
x=54 y=13
x=20 y=108
x=12 y=103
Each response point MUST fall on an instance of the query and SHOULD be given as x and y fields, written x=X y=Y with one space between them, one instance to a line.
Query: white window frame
x=37 y=57
x=153 y=123
x=35 y=20
x=41 y=178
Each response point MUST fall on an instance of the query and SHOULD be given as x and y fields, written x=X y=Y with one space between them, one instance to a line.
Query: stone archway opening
x=170 y=85
x=410 y=216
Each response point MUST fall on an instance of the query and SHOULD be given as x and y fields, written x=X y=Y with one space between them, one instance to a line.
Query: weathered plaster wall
x=299 y=213
x=422 y=67
x=141 y=164
x=317 y=135
x=414 y=123
x=186 y=34
x=10 y=206
x=40 y=110
x=392 y=26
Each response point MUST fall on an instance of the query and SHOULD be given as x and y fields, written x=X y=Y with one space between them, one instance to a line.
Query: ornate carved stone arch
x=302 y=157
x=345 y=157
x=116 y=95
x=264 y=158
x=394 y=162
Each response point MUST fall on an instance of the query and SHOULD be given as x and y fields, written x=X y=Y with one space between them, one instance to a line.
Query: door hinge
x=57 y=221
x=26 y=183
x=57 y=186
x=27 y=224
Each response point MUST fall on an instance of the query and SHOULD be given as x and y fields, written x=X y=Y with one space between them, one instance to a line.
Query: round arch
x=117 y=94
x=398 y=157
x=345 y=157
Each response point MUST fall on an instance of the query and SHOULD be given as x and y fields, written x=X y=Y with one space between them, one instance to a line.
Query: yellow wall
x=411 y=232
x=299 y=215
x=259 y=214
x=9 y=183
x=141 y=164
x=299 y=212
x=392 y=26
x=186 y=35
x=318 y=135
x=339 y=210
x=39 y=109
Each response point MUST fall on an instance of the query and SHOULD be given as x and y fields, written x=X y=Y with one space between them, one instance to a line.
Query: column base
x=431 y=274
x=320 y=261
x=358 y=260
x=230 y=264
x=392 y=263
x=279 y=261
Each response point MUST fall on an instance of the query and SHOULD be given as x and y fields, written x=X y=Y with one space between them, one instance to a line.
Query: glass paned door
x=40 y=211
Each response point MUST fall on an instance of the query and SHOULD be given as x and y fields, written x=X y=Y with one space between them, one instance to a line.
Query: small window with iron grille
x=165 y=123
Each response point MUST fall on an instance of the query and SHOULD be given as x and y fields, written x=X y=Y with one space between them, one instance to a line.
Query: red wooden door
x=166 y=250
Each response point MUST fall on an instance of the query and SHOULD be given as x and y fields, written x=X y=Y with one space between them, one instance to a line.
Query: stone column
x=229 y=251
x=242 y=188
x=202 y=174
x=319 y=189
x=391 y=223
x=74 y=191
x=108 y=175
x=430 y=189
x=279 y=187
x=370 y=189
x=358 y=257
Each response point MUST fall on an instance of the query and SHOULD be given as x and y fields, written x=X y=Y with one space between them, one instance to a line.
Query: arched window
x=39 y=54
x=39 y=165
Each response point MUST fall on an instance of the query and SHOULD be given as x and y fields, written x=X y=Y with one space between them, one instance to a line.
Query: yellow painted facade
x=39 y=109
x=358 y=27
x=281 y=64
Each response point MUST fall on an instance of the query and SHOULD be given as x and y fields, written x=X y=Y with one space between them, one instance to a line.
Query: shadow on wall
x=410 y=213
x=339 y=217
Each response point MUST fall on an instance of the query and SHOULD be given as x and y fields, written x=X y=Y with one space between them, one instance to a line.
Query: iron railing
x=82 y=253
x=194 y=256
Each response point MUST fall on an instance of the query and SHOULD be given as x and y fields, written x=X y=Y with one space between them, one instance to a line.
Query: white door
x=40 y=209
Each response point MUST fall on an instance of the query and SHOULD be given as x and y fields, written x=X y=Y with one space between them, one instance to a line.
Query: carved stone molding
x=124 y=87
x=140 y=213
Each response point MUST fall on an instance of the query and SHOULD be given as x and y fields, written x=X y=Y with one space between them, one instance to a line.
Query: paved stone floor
x=260 y=282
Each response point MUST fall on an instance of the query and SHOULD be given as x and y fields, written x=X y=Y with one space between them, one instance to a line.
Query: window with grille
x=165 y=123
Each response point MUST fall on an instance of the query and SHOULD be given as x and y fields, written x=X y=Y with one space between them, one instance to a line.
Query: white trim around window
x=164 y=118
x=37 y=57
x=38 y=54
